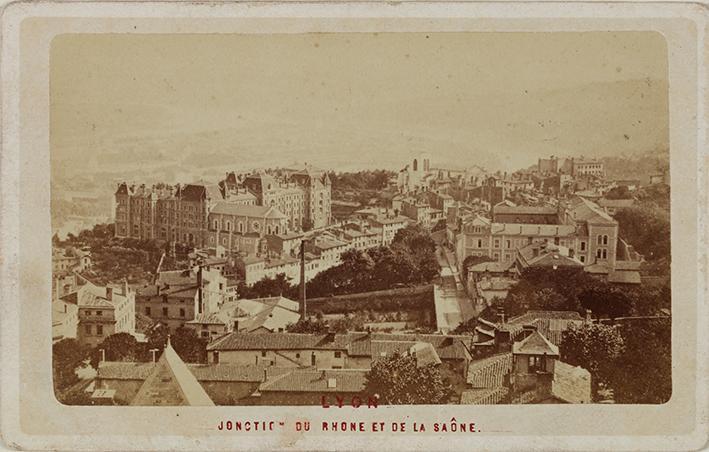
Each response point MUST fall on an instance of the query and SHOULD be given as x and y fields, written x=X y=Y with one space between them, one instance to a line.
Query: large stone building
x=103 y=311
x=188 y=213
x=583 y=227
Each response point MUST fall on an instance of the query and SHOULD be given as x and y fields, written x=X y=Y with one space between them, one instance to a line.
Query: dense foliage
x=397 y=380
x=362 y=180
x=622 y=192
x=643 y=372
x=115 y=259
x=647 y=228
x=67 y=355
x=633 y=358
x=409 y=261
x=572 y=289
x=595 y=347
x=467 y=327
x=471 y=261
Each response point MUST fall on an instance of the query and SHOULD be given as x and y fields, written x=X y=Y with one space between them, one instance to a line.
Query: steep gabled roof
x=588 y=211
x=171 y=384
x=535 y=344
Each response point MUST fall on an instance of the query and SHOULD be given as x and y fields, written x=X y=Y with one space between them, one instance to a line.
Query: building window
x=164 y=312
x=582 y=258
x=497 y=243
x=338 y=354
x=297 y=355
x=215 y=357
x=598 y=253
x=182 y=312
x=537 y=364
x=556 y=240
x=216 y=225
x=605 y=240
x=87 y=329
x=147 y=310
x=263 y=353
x=99 y=312
x=605 y=253
x=599 y=239
x=99 y=330
x=583 y=246
x=480 y=243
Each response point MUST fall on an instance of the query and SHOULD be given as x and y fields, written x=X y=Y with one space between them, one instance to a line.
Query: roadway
x=453 y=305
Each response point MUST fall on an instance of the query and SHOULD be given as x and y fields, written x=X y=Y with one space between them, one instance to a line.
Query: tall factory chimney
x=303 y=308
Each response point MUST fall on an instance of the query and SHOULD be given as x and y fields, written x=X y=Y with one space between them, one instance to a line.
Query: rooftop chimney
x=109 y=293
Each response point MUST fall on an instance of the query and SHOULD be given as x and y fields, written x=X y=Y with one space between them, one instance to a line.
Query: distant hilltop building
x=572 y=166
x=238 y=208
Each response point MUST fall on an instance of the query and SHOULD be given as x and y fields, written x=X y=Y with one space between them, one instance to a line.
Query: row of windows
x=256 y=226
x=165 y=312
x=89 y=330
x=95 y=312
x=602 y=239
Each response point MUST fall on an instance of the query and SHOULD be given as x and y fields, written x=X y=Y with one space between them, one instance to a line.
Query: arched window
x=605 y=240
x=241 y=227
x=599 y=240
x=605 y=254
x=416 y=165
x=276 y=229
x=228 y=226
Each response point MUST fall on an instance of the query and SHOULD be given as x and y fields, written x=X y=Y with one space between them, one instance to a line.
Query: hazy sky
x=360 y=100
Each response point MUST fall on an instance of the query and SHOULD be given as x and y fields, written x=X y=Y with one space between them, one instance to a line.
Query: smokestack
x=303 y=307
x=199 y=289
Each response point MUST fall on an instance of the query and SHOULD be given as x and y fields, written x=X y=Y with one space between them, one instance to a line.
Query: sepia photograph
x=362 y=219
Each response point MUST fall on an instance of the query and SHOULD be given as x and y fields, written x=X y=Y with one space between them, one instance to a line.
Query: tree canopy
x=647 y=228
x=67 y=355
x=643 y=372
x=595 y=347
x=397 y=380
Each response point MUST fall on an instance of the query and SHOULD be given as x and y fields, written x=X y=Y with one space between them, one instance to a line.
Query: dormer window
x=537 y=364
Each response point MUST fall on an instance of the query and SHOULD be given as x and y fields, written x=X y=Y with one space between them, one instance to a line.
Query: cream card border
x=32 y=419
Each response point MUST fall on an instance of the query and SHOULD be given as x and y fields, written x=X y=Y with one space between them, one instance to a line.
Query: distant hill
x=636 y=166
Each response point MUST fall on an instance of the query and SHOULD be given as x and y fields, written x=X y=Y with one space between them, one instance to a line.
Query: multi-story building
x=318 y=192
x=176 y=214
x=70 y=259
x=185 y=213
x=178 y=296
x=588 y=167
x=231 y=224
x=388 y=227
x=583 y=227
x=103 y=311
x=413 y=176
